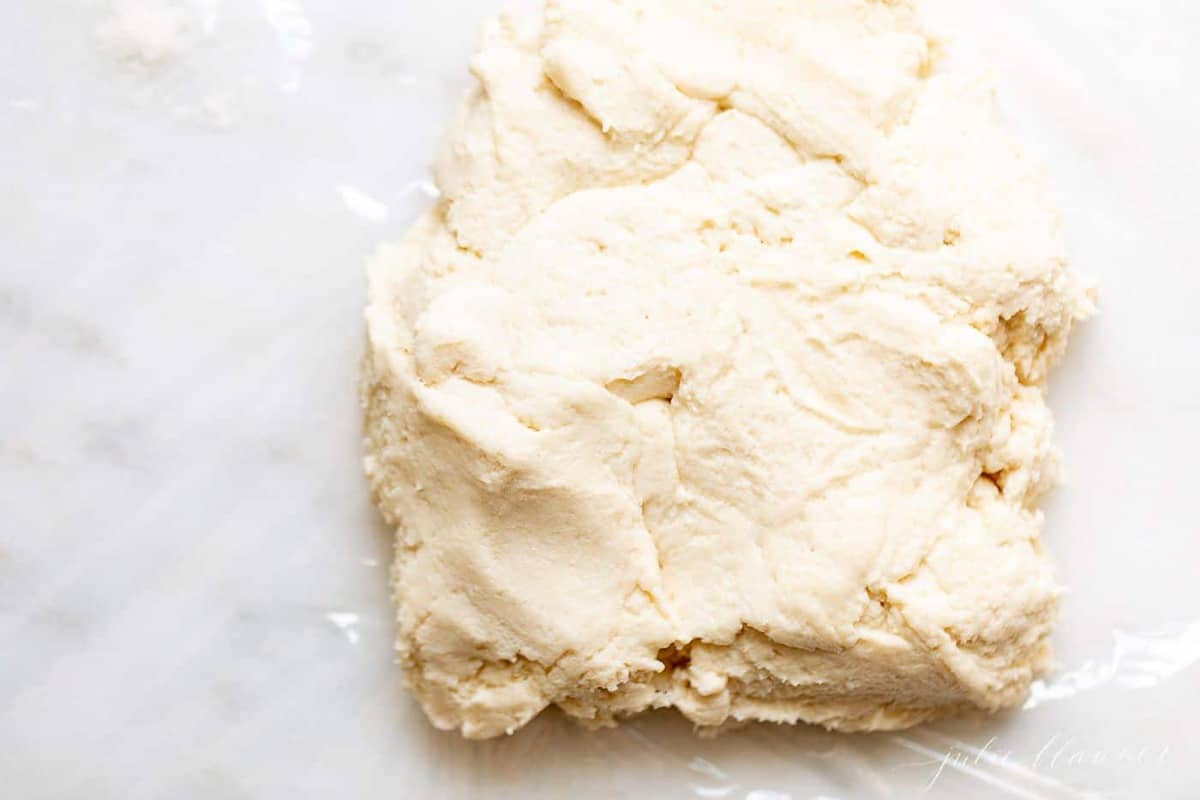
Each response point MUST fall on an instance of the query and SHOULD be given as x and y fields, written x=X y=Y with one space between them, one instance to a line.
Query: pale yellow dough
x=715 y=379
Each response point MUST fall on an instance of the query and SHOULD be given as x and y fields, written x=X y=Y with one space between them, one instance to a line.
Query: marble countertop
x=193 y=584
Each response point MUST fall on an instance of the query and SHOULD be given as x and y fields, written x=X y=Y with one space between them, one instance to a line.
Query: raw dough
x=716 y=378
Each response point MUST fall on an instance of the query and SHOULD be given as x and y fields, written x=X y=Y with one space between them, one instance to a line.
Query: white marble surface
x=193 y=595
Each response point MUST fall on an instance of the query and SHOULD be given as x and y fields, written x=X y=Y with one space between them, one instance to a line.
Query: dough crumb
x=149 y=32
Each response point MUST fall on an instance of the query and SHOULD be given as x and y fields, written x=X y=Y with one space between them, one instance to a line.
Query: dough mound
x=716 y=378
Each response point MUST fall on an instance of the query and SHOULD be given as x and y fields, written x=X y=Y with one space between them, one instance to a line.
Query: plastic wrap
x=1086 y=731
x=196 y=602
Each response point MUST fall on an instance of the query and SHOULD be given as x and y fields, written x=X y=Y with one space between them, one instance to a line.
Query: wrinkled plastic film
x=1058 y=746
